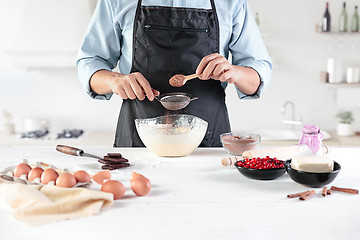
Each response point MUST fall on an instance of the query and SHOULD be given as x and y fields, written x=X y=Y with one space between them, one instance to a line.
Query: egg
x=36 y=172
x=48 y=175
x=101 y=176
x=114 y=187
x=82 y=176
x=66 y=180
x=22 y=169
x=140 y=185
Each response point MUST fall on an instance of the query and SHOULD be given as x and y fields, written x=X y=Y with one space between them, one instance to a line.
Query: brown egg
x=140 y=185
x=66 y=180
x=114 y=187
x=48 y=175
x=101 y=176
x=35 y=173
x=22 y=169
x=82 y=176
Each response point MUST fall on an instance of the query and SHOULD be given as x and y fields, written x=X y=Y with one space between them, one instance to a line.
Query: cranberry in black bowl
x=261 y=168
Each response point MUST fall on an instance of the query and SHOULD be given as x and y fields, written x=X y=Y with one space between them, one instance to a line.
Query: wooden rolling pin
x=281 y=153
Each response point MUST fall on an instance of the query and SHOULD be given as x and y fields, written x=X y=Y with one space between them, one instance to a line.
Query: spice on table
x=297 y=194
x=346 y=190
x=328 y=192
x=306 y=195
x=324 y=191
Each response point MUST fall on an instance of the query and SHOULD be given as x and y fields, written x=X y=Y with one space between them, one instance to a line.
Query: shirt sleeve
x=248 y=49
x=100 y=48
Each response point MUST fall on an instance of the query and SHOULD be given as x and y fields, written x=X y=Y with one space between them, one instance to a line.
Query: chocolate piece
x=115 y=159
x=114 y=155
x=114 y=166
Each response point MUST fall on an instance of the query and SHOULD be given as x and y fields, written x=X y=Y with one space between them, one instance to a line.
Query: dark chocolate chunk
x=114 y=166
x=115 y=159
x=114 y=155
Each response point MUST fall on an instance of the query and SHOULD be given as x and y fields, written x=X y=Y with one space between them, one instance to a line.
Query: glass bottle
x=355 y=21
x=325 y=24
x=312 y=137
x=343 y=19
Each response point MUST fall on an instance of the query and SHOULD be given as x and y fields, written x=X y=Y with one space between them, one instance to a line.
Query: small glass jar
x=312 y=137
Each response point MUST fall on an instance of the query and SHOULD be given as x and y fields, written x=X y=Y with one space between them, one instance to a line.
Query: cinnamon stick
x=297 y=194
x=324 y=191
x=306 y=195
x=328 y=192
x=345 y=190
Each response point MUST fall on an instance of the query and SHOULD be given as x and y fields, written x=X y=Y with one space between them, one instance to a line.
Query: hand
x=132 y=86
x=217 y=67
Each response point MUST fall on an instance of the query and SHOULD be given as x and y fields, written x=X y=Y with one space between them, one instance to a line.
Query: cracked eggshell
x=140 y=185
x=101 y=176
x=82 y=176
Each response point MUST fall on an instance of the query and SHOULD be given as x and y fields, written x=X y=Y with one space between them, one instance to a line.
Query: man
x=151 y=42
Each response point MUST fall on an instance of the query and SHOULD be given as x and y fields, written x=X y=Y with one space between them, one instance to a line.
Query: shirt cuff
x=86 y=69
x=263 y=68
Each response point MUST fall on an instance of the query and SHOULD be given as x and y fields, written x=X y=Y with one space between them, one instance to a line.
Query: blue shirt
x=109 y=37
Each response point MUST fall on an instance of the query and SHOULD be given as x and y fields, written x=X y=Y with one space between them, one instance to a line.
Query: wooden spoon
x=179 y=80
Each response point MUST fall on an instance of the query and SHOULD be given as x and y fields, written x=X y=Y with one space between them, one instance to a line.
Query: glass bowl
x=236 y=143
x=173 y=135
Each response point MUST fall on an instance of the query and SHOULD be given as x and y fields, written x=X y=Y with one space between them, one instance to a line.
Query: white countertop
x=195 y=197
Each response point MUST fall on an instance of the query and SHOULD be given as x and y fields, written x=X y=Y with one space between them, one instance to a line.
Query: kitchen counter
x=106 y=139
x=195 y=197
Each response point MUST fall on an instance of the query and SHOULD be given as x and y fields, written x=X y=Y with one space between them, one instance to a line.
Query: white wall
x=299 y=54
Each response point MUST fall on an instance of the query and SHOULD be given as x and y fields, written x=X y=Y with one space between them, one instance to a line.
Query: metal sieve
x=175 y=101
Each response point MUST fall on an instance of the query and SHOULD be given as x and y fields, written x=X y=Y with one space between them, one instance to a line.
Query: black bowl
x=260 y=174
x=313 y=180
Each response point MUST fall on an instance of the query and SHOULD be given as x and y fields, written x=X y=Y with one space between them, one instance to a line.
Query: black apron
x=169 y=41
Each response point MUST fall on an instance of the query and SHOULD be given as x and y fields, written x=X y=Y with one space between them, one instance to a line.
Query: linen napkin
x=36 y=205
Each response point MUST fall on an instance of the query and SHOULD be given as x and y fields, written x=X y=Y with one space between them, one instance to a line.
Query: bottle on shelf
x=326 y=23
x=257 y=19
x=355 y=21
x=343 y=19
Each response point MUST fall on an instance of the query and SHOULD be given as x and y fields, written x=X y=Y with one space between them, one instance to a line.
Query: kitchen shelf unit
x=342 y=85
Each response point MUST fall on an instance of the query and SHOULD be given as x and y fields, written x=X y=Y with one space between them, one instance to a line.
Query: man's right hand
x=130 y=86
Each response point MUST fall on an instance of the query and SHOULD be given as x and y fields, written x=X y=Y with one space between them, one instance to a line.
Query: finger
x=204 y=61
x=155 y=92
x=221 y=68
x=129 y=92
x=137 y=89
x=226 y=77
x=211 y=67
x=145 y=86
x=121 y=93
